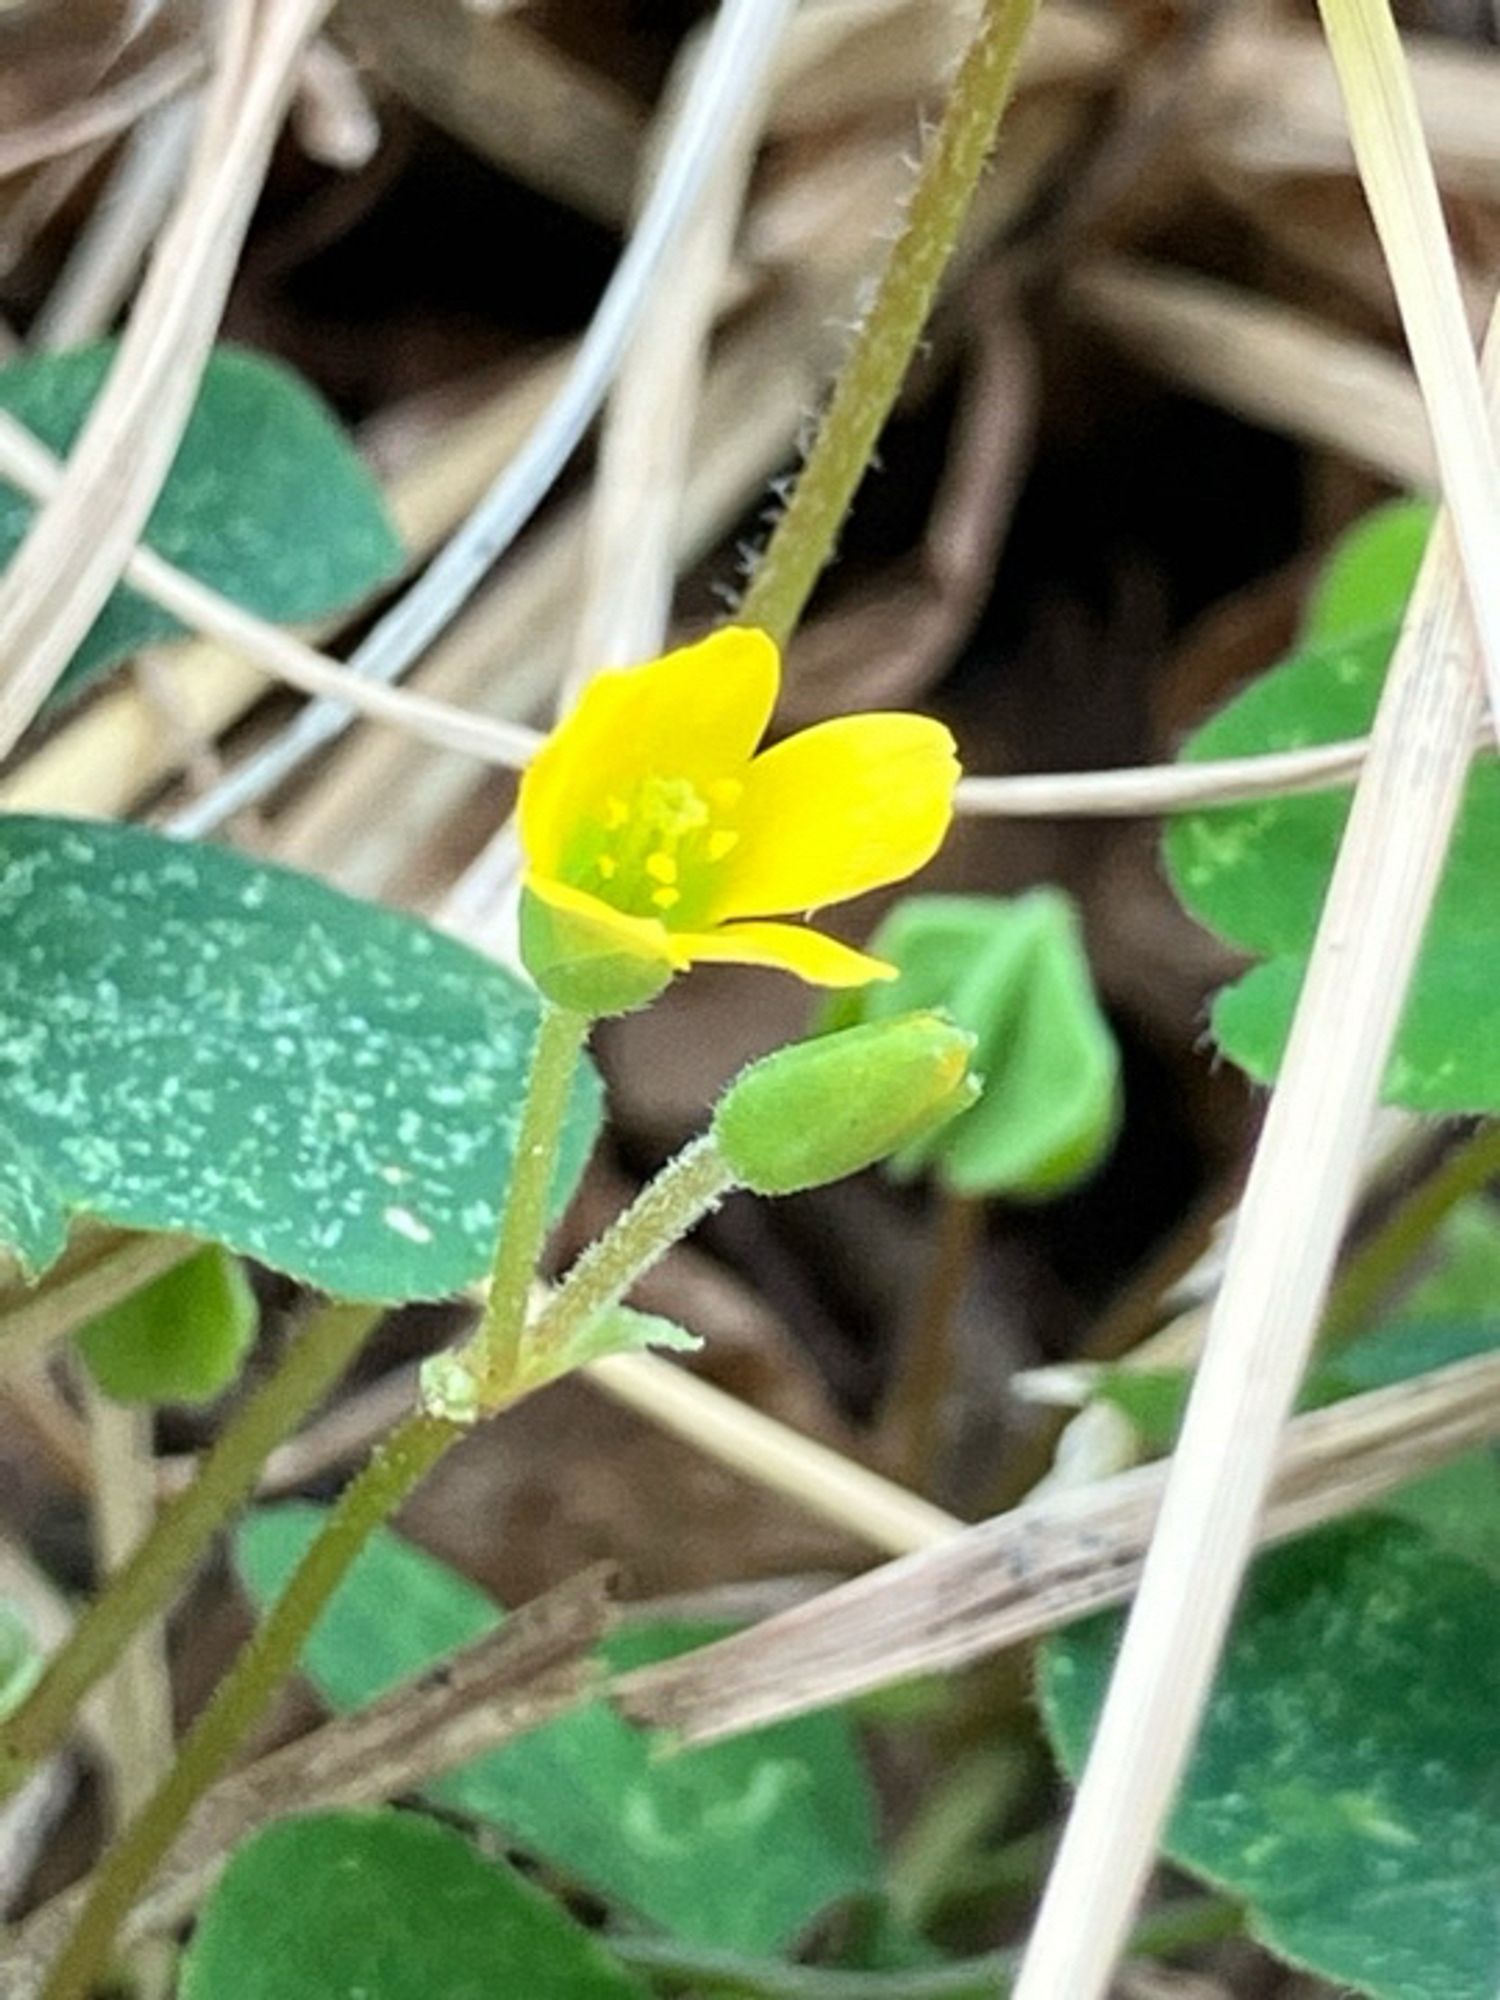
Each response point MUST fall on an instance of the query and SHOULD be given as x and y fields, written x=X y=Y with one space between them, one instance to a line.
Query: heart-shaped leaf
x=1346 y=1781
x=739 y=1846
x=387 y=1906
x=1257 y=874
x=196 y=1042
x=266 y=501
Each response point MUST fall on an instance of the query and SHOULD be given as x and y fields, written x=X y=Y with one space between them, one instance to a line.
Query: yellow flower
x=656 y=838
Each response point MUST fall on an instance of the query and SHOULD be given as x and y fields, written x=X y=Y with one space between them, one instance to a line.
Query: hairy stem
x=495 y=1351
x=872 y=374
x=661 y=1215
x=151 y=1576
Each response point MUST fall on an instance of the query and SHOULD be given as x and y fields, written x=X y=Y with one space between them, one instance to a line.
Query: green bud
x=583 y=966
x=1016 y=973
x=818 y=1110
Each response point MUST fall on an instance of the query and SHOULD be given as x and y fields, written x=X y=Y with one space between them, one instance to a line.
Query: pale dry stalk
x=1270 y=363
x=1304 y=1175
x=1056 y=1558
x=77 y=547
x=1130 y=792
x=633 y=522
x=134 y=1704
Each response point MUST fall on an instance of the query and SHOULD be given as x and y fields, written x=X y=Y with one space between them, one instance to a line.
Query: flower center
x=654 y=850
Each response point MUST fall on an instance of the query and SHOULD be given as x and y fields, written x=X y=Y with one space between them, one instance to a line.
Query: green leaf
x=739 y=1846
x=1347 y=1781
x=387 y=1906
x=180 y=1339
x=1370 y=573
x=1257 y=875
x=1015 y=975
x=266 y=501
x=193 y=1041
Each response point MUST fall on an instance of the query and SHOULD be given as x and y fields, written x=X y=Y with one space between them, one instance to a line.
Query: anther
x=616 y=812
x=666 y=899
x=661 y=868
x=608 y=867
x=723 y=842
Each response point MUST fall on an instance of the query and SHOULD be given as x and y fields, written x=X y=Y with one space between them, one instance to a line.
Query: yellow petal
x=820 y=960
x=642 y=937
x=843 y=807
x=697 y=713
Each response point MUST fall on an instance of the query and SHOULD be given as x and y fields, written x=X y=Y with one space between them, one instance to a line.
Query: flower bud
x=821 y=1109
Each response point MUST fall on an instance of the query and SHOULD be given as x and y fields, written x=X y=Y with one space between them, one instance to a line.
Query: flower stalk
x=664 y=1211
x=494 y=1354
x=872 y=374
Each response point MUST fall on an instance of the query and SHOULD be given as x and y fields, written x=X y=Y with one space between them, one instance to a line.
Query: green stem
x=872 y=374
x=495 y=1351
x=1377 y=1266
x=1177 y=1927
x=1001 y=1872
x=661 y=1215
x=968 y=1800
x=148 y=1580
x=239 y=1700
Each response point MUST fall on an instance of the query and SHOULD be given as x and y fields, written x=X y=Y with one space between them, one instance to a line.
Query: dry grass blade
x=510 y=745
x=1044 y=1564
x=104 y=261
x=511 y=94
x=1274 y=365
x=102 y=117
x=277 y=652
x=77 y=547
x=813 y=1476
x=134 y=1702
x=636 y=503
x=1304 y=1175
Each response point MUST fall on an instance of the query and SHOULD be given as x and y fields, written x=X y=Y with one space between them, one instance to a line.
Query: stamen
x=666 y=899
x=722 y=842
x=661 y=868
x=616 y=812
x=608 y=867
